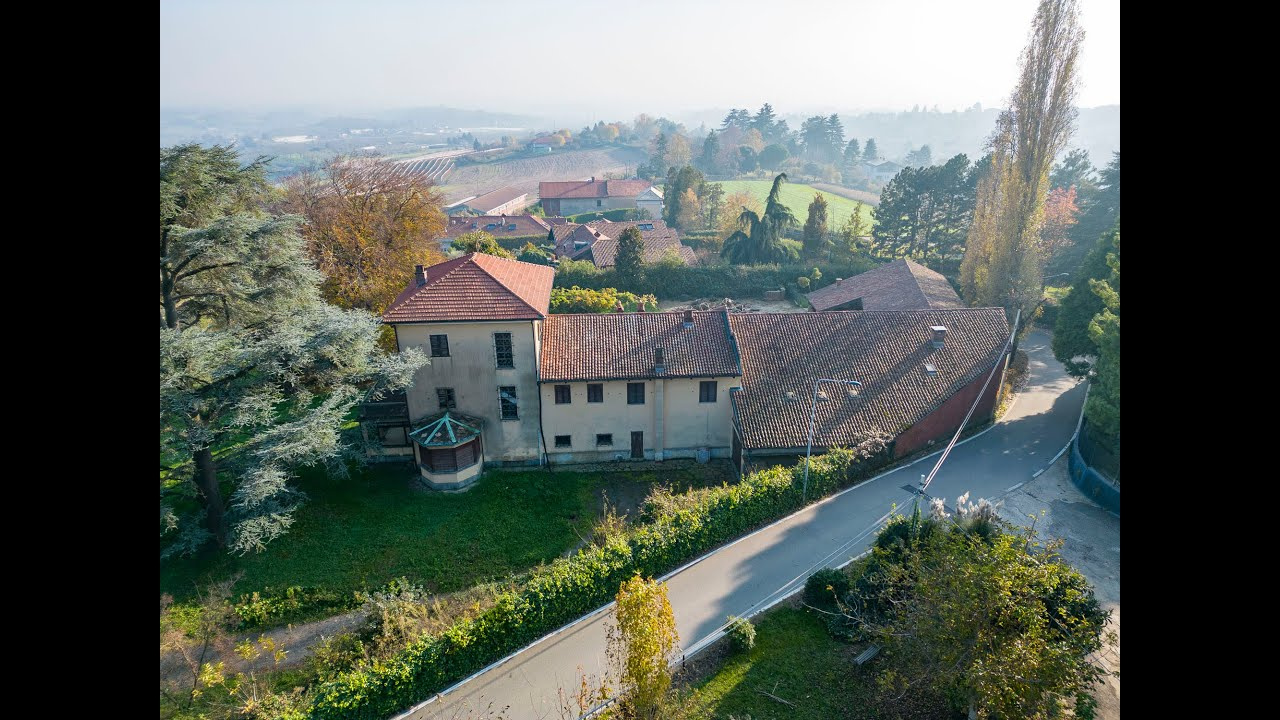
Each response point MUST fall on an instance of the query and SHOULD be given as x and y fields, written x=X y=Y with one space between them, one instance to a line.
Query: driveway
x=764 y=567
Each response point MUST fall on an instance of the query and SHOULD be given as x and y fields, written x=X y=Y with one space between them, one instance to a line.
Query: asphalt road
x=747 y=576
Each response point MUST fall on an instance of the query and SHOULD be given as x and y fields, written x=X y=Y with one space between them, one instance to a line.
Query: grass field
x=797 y=197
x=795 y=659
x=379 y=524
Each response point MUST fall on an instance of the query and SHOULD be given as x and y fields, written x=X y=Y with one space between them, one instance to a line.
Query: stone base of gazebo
x=460 y=480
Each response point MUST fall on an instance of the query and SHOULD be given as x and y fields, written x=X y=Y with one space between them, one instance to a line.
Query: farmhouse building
x=881 y=170
x=582 y=196
x=510 y=384
x=499 y=202
x=530 y=227
x=899 y=285
x=597 y=241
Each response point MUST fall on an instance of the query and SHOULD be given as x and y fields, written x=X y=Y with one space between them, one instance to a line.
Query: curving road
x=766 y=566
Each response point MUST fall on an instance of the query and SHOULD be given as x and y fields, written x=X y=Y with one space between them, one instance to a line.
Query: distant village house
x=582 y=196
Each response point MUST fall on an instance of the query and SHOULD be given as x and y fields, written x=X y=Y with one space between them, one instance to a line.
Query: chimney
x=420 y=273
x=688 y=318
x=593 y=178
x=657 y=361
x=939 y=335
x=838 y=281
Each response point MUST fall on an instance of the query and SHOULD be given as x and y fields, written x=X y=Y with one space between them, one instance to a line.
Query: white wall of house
x=576 y=206
x=654 y=207
x=674 y=421
x=471 y=370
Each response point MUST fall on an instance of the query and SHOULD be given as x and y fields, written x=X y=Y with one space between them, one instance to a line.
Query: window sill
x=514 y=419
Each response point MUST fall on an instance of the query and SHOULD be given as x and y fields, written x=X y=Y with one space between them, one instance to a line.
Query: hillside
x=797 y=196
x=526 y=172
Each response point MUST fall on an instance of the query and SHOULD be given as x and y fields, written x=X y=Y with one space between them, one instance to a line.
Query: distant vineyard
x=434 y=169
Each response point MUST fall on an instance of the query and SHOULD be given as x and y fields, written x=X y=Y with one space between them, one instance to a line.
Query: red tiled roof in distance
x=899 y=285
x=525 y=225
x=604 y=252
x=884 y=350
x=497 y=198
x=591 y=189
x=475 y=287
x=619 y=346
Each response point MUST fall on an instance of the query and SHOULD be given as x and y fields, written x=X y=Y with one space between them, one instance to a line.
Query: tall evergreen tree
x=1002 y=264
x=816 y=240
x=813 y=138
x=1076 y=171
x=835 y=138
x=870 y=152
x=924 y=213
x=1099 y=210
x=764 y=120
x=709 y=161
x=250 y=356
x=629 y=264
x=1072 y=345
x=678 y=181
x=759 y=235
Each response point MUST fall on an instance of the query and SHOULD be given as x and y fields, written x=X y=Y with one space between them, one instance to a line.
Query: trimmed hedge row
x=683 y=281
x=569 y=588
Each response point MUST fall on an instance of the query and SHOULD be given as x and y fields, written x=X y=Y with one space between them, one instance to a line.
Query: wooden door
x=637 y=445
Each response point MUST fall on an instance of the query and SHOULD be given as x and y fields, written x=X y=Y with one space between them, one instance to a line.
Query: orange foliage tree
x=367 y=225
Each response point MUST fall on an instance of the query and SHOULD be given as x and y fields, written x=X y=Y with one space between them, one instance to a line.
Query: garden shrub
x=803 y=283
x=742 y=634
x=586 y=300
x=823 y=588
x=259 y=609
x=568 y=588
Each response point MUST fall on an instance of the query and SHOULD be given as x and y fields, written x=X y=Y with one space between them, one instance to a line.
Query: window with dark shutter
x=502 y=347
x=507 y=399
x=707 y=391
x=563 y=395
x=439 y=346
x=635 y=393
x=563 y=441
x=446 y=399
x=595 y=393
x=604 y=439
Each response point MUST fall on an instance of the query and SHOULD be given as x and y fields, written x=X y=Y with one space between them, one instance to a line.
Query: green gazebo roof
x=447 y=429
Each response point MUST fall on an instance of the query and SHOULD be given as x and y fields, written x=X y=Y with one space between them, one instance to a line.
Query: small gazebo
x=449 y=450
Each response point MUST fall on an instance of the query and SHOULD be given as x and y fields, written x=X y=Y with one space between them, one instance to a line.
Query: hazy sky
x=611 y=58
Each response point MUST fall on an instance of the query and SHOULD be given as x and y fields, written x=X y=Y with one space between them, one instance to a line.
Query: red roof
x=899 y=285
x=497 y=225
x=783 y=354
x=495 y=199
x=592 y=189
x=476 y=287
x=617 y=346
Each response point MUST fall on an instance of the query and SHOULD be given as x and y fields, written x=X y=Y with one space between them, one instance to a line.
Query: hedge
x=685 y=281
x=569 y=588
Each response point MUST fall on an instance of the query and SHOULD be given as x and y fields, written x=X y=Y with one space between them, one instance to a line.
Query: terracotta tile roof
x=525 y=225
x=604 y=252
x=885 y=351
x=557 y=220
x=618 y=346
x=592 y=188
x=476 y=287
x=495 y=199
x=574 y=241
x=898 y=285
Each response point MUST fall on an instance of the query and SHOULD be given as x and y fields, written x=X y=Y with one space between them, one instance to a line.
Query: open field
x=867 y=197
x=797 y=197
x=526 y=172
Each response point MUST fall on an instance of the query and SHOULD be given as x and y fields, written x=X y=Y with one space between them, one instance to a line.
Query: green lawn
x=378 y=525
x=795 y=659
x=797 y=197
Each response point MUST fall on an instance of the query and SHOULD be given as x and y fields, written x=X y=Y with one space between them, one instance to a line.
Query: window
x=604 y=439
x=707 y=391
x=563 y=441
x=507 y=399
x=563 y=395
x=439 y=346
x=635 y=393
x=502 y=345
x=446 y=399
x=595 y=393
x=599 y=203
